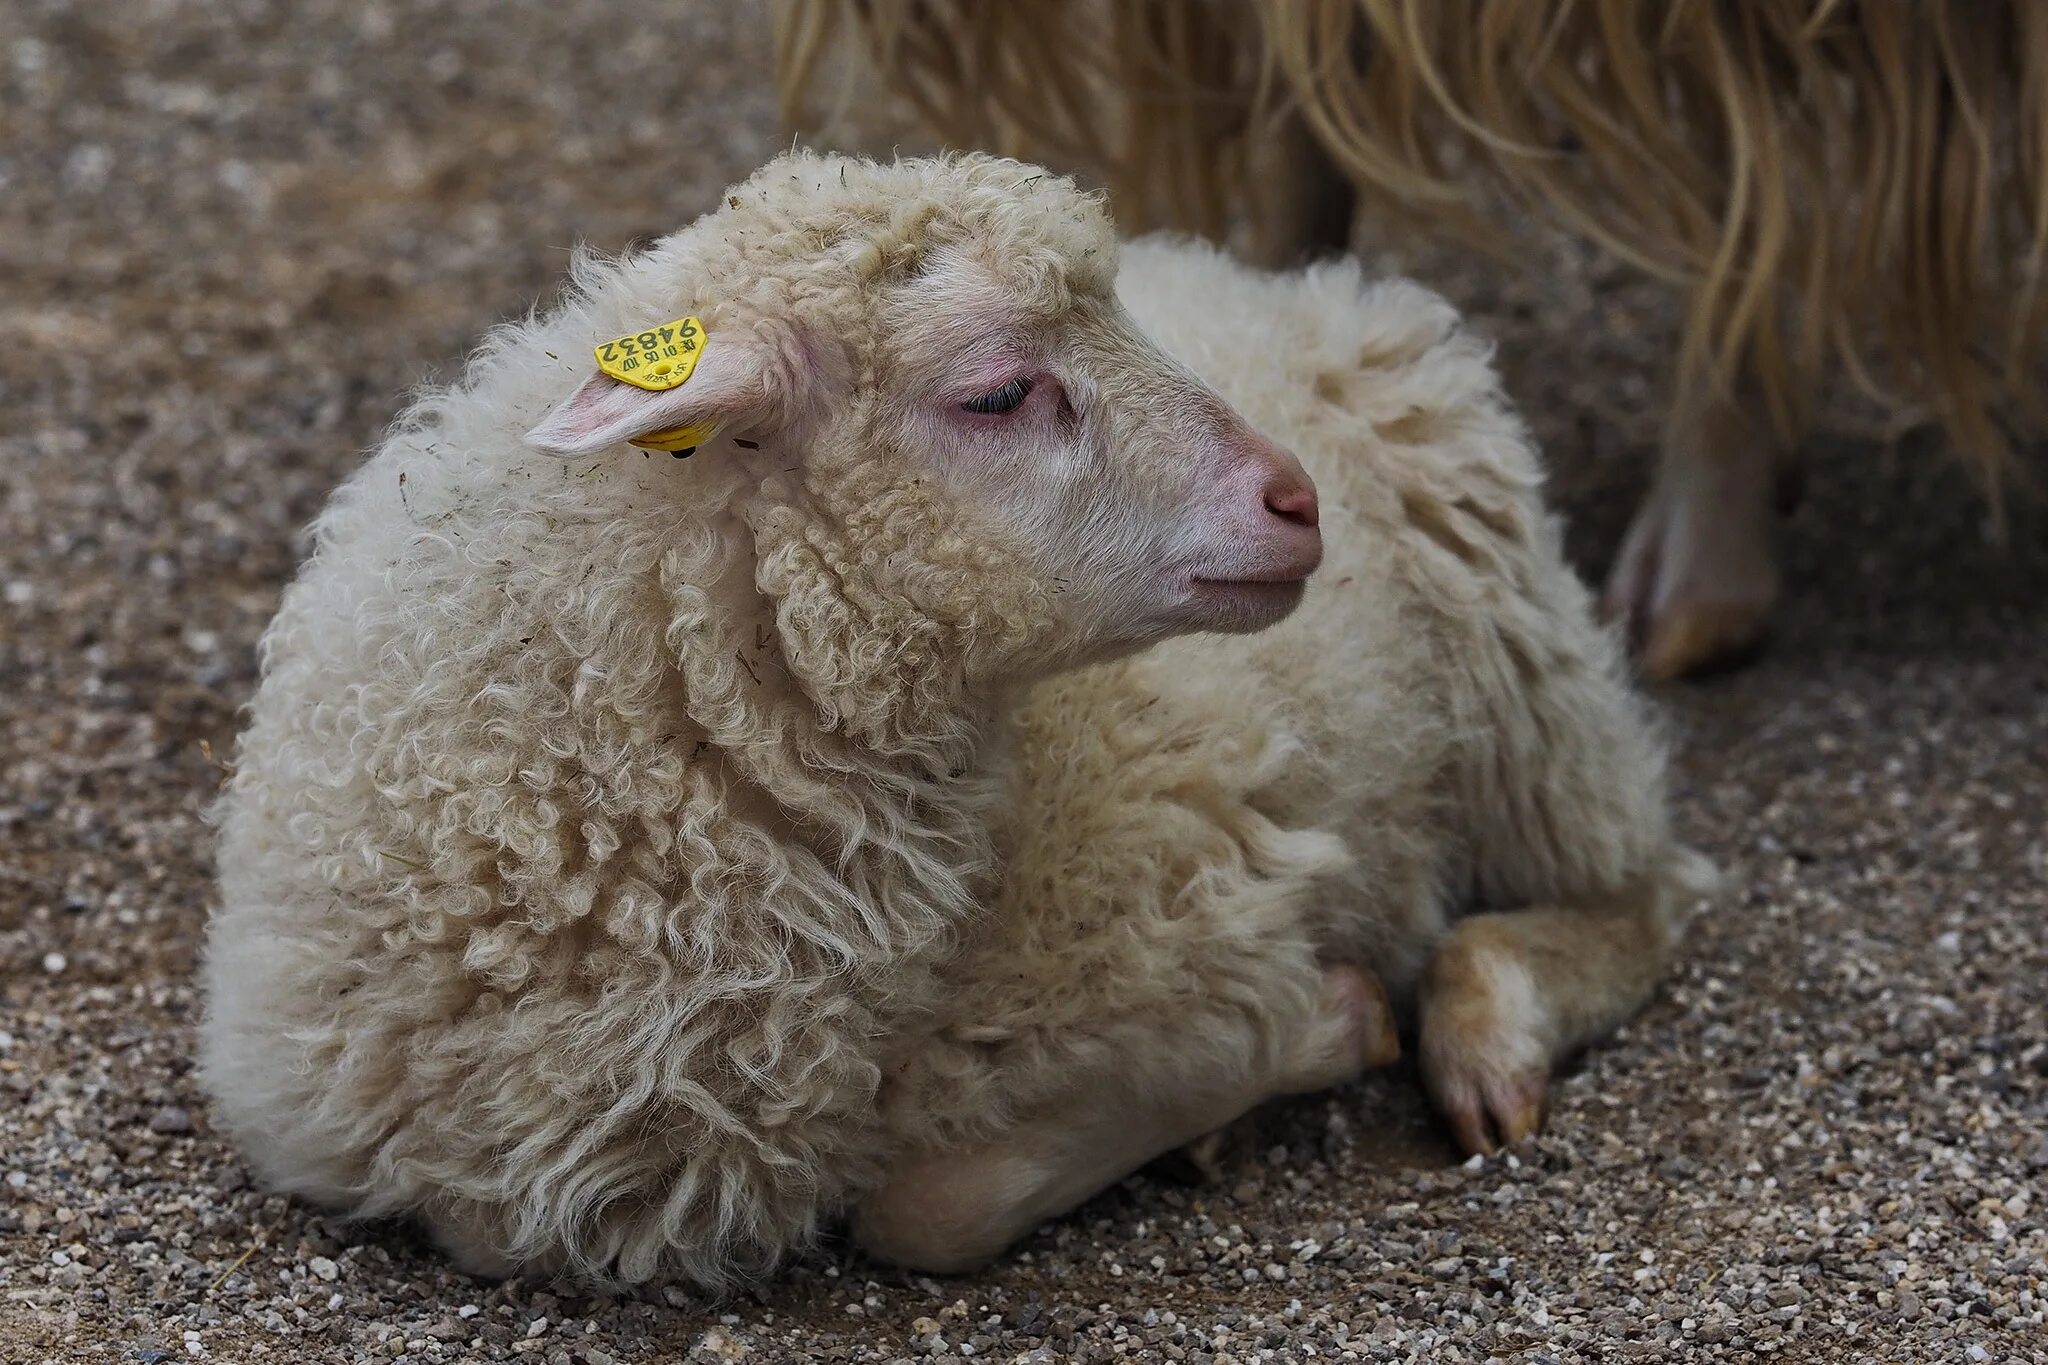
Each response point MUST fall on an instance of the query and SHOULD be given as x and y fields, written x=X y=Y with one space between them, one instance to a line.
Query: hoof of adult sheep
x=1689 y=640
x=1697 y=577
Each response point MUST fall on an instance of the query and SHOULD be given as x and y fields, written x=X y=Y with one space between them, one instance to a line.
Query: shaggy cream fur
x=632 y=862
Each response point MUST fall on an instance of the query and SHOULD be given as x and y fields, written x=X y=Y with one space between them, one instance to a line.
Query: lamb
x=634 y=863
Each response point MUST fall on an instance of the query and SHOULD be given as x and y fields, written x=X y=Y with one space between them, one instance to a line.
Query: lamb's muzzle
x=1253 y=573
x=1288 y=539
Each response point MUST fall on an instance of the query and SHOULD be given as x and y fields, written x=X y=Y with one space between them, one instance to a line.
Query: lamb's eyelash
x=998 y=401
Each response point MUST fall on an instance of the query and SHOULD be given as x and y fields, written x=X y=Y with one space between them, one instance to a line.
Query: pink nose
x=1291 y=497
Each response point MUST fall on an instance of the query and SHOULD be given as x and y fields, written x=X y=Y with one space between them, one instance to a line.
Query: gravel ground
x=232 y=232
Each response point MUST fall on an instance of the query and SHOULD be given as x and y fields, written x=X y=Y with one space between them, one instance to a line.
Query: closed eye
x=1008 y=398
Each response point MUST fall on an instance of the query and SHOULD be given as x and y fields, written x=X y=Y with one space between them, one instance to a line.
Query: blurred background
x=234 y=234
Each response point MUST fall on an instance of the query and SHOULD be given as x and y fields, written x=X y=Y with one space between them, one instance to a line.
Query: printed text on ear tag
x=657 y=359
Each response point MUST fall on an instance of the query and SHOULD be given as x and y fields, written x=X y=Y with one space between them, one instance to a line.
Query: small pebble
x=170 y=1119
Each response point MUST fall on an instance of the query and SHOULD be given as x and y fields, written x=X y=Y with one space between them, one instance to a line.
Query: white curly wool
x=630 y=860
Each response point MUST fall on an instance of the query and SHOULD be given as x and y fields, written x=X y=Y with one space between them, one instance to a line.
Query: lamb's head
x=955 y=416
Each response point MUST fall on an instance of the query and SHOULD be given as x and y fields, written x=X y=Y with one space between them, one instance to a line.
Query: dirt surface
x=233 y=232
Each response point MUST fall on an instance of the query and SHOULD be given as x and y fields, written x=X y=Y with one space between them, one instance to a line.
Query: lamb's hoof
x=1697 y=576
x=1199 y=1162
x=1353 y=1031
x=1483 y=1055
x=1379 y=1039
x=1487 y=1110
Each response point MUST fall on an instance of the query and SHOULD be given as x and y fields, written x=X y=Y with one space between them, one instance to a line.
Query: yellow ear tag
x=657 y=360
x=678 y=441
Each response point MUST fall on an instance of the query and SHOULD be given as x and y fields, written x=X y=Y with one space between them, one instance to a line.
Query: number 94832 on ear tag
x=657 y=359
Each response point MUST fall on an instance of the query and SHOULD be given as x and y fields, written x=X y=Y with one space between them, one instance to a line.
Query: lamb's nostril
x=1293 y=502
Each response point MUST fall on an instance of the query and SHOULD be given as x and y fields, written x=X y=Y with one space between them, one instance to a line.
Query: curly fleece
x=628 y=859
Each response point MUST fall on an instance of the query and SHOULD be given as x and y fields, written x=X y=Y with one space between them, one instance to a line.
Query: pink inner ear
x=603 y=412
x=731 y=384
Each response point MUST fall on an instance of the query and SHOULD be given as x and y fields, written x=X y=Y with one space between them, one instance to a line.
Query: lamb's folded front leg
x=1561 y=797
x=952 y=1209
x=1508 y=995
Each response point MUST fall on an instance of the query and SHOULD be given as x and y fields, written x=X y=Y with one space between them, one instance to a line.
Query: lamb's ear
x=730 y=386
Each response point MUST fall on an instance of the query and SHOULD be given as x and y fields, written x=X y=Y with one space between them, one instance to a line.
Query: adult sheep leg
x=1309 y=205
x=1510 y=994
x=950 y=1210
x=1697 y=576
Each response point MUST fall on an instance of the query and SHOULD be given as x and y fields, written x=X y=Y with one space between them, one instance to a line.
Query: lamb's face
x=1147 y=506
x=998 y=473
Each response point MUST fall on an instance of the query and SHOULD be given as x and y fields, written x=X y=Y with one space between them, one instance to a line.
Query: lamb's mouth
x=1200 y=584
x=1245 y=604
x=1277 y=572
